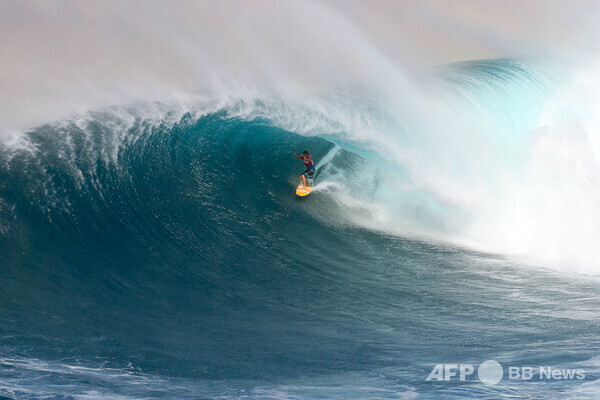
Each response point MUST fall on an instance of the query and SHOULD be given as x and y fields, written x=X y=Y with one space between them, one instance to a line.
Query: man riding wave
x=309 y=164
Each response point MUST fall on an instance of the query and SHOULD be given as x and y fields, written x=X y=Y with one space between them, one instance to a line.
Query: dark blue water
x=173 y=260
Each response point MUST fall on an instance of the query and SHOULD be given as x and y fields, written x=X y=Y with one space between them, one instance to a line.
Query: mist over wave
x=69 y=57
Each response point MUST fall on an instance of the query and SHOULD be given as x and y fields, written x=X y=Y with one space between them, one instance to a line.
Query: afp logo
x=489 y=372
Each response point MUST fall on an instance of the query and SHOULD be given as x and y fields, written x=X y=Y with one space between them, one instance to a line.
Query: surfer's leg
x=309 y=175
x=303 y=179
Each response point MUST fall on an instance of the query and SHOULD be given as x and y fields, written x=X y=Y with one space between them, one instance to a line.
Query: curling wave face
x=164 y=245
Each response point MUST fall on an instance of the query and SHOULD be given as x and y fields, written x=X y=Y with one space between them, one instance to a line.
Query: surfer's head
x=305 y=152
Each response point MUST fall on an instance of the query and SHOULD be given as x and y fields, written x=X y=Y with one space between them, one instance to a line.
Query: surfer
x=309 y=164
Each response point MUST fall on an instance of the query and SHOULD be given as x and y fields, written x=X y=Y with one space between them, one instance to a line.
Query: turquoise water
x=170 y=259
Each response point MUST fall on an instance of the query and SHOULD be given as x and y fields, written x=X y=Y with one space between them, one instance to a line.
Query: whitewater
x=151 y=245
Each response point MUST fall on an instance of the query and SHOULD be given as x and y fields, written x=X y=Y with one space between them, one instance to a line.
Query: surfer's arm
x=297 y=156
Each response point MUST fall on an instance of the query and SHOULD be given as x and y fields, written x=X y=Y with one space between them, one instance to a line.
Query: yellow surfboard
x=303 y=191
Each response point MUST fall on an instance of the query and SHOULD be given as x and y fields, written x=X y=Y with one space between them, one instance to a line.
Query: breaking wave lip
x=490 y=171
x=479 y=174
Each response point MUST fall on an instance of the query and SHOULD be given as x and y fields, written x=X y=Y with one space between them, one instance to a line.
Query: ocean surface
x=157 y=250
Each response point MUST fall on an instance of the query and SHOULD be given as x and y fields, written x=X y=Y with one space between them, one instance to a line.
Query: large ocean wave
x=162 y=243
